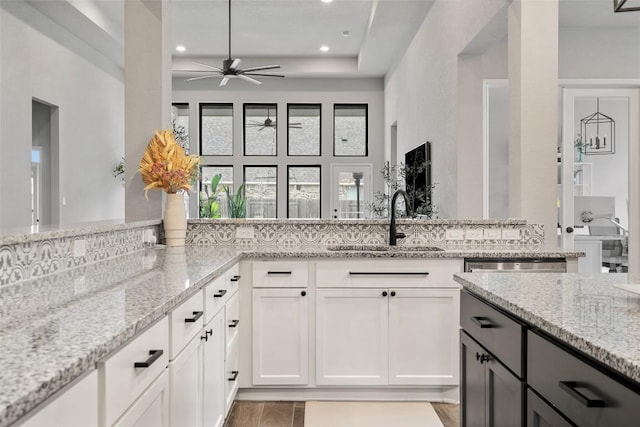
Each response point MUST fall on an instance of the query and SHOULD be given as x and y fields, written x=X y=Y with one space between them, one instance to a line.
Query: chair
x=614 y=252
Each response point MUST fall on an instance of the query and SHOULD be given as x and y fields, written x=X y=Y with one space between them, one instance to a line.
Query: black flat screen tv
x=418 y=178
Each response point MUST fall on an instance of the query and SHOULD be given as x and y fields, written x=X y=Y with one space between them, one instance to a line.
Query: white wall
x=289 y=90
x=34 y=63
x=421 y=93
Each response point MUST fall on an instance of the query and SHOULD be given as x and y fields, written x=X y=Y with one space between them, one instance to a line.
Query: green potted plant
x=209 y=204
x=237 y=202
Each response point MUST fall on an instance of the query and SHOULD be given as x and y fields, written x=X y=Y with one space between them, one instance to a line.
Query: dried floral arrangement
x=165 y=164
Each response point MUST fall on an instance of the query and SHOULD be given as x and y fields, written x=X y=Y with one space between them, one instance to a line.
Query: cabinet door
x=213 y=407
x=539 y=414
x=77 y=406
x=280 y=337
x=152 y=407
x=423 y=336
x=351 y=336
x=504 y=396
x=473 y=383
x=185 y=393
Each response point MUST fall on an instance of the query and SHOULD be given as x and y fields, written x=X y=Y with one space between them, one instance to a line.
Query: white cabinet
x=387 y=322
x=213 y=380
x=185 y=394
x=126 y=374
x=280 y=336
x=151 y=409
x=75 y=406
x=351 y=336
x=423 y=336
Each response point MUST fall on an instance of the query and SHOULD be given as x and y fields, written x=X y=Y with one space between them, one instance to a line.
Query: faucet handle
x=400 y=235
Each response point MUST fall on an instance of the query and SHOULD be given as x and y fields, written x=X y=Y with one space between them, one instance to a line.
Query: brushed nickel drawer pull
x=570 y=387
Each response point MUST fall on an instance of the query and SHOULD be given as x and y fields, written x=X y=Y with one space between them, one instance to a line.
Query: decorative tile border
x=294 y=235
x=40 y=257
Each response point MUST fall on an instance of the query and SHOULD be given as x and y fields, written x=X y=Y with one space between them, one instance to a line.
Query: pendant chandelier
x=598 y=132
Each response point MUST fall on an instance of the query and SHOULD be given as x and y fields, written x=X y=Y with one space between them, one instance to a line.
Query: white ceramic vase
x=175 y=220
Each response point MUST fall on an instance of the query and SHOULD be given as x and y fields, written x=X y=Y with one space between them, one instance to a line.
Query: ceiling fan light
x=619 y=6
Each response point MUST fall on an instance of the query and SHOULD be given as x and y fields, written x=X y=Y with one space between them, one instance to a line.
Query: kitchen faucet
x=393 y=235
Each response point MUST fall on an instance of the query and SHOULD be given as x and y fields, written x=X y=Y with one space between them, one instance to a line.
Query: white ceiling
x=290 y=32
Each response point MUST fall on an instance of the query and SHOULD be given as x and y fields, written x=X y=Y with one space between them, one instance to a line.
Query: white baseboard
x=432 y=394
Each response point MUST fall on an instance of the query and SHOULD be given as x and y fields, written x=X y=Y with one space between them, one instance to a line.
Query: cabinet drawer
x=280 y=274
x=231 y=374
x=408 y=273
x=577 y=389
x=232 y=320
x=215 y=295
x=233 y=278
x=498 y=333
x=186 y=321
x=124 y=382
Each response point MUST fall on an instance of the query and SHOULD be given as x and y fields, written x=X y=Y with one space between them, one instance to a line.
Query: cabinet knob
x=569 y=230
x=384 y=293
x=393 y=293
x=303 y=293
x=484 y=358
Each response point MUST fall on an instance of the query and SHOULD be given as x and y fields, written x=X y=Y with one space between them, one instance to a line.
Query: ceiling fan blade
x=263 y=67
x=202 y=77
x=261 y=75
x=224 y=81
x=236 y=62
x=249 y=79
x=262 y=128
x=207 y=65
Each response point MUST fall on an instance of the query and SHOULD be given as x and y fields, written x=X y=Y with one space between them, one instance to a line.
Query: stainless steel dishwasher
x=516 y=265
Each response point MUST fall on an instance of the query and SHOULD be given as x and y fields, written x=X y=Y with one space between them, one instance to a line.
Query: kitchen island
x=564 y=345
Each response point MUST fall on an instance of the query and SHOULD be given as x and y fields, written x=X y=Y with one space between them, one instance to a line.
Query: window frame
x=305 y=104
x=244 y=182
x=216 y=165
x=366 y=130
x=319 y=166
x=266 y=105
x=203 y=105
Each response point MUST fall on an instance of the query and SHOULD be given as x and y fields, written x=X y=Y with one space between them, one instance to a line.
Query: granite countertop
x=54 y=329
x=584 y=311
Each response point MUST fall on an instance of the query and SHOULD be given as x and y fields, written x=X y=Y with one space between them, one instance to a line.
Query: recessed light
x=181 y=48
x=324 y=48
x=327 y=1
x=346 y=33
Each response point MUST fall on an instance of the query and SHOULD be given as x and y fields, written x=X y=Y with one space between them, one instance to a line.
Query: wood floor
x=291 y=414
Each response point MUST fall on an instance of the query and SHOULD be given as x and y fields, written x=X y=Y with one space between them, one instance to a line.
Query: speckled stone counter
x=55 y=328
x=583 y=311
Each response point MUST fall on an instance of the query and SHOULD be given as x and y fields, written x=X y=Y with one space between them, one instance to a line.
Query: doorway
x=44 y=164
x=598 y=129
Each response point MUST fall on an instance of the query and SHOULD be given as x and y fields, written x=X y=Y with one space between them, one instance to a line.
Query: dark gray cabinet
x=512 y=374
x=491 y=395
x=539 y=414
x=491 y=366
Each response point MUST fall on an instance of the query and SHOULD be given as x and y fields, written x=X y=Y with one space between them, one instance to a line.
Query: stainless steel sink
x=383 y=248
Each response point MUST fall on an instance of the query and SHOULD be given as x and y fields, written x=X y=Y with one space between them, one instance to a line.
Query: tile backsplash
x=40 y=255
x=295 y=234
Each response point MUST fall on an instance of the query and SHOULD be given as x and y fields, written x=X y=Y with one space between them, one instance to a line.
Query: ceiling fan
x=230 y=68
x=269 y=123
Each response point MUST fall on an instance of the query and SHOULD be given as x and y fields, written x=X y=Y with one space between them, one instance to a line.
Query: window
x=213 y=201
x=303 y=127
x=261 y=191
x=216 y=129
x=180 y=124
x=350 y=129
x=303 y=192
x=260 y=130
